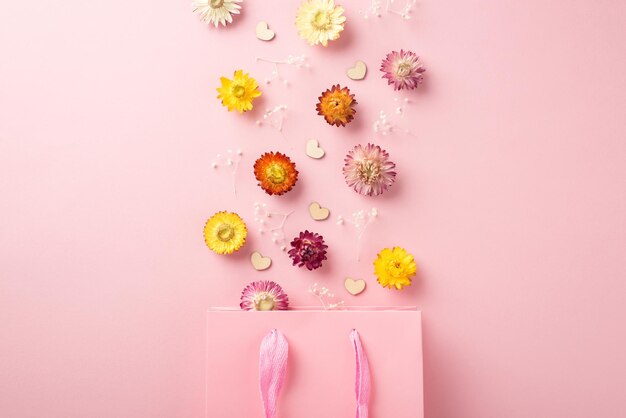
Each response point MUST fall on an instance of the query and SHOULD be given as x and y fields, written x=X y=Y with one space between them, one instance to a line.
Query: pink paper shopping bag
x=314 y=364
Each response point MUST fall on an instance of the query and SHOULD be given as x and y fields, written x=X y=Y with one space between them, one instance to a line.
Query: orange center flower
x=337 y=105
x=276 y=173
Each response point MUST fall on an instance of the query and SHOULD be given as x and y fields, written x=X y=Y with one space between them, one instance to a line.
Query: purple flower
x=264 y=295
x=308 y=249
x=402 y=69
x=368 y=170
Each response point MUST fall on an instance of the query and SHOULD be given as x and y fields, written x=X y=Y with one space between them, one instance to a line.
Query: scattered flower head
x=368 y=171
x=394 y=268
x=403 y=69
x=308 y=250
x=215 y=12
x=337 y=105
x=319 y=21
x=225 y=232
x=238 y=93
x=276 y=173
x=264 y=295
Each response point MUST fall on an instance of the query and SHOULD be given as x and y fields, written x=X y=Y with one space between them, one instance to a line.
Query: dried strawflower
x=319 y=21
x=275 y=172
x=394 y=268
x=402 y=69
x=308 y=250
x=368 y=171
x=217 y=11
x=337 y=105
x=238 y=93
x=225 y=232
x=264 y=295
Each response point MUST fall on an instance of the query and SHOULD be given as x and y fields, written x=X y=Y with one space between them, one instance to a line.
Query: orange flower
x=336 y=105
x=275 y=172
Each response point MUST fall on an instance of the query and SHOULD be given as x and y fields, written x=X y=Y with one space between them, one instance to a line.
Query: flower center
x=368 y=171
x=337 y=107
x=263 y=301
x=321 y=20
x=404 y=69
x=395 y=268
x=216 y=4
x=276 y=173
x=308 y=250
x=239 y=91
x=225 y=232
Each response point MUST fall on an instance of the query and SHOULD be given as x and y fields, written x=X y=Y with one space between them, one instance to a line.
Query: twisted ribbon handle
x=273 y=356
x=362 y=384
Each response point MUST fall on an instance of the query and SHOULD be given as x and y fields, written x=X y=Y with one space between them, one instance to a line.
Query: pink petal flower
x=264 y=295
x=402 y=69
x=368 y=171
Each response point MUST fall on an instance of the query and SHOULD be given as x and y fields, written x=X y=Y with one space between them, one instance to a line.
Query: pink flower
x=368 y=170
x=308 y=250
x=402 y=69
x=264 y=295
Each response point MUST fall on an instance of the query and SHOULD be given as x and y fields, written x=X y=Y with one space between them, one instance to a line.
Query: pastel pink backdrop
x=511 y=195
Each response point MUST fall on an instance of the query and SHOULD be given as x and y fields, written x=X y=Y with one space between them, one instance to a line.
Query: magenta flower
x=308 y=250
x=402 y=69
x=368 y=170
x=264 y=295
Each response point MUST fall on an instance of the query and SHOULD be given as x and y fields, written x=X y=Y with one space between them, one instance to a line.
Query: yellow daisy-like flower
x=337 y=105
x=239 y=92
x=225 y=232
x=319 y=21
x=394 y=267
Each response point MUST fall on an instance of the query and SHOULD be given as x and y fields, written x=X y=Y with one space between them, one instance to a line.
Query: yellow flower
x=394 y=267
x=319 y=21
x=225 y=232
x=239 y=92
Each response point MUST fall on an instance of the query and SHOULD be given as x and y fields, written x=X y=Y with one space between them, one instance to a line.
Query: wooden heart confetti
x=314 y=150
x=317 y=212
x=263 y=32
x=354 y=286
x=358 y=71
x=259 y=262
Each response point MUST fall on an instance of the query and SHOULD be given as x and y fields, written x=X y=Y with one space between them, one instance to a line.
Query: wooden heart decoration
x=263 y=32
x=317 y=212
x=358 y=71
x=314 y=150
x=354 y=286
x=259 y=262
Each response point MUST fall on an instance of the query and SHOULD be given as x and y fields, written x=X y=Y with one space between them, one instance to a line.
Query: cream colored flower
x=217 y=11
x=320 y=21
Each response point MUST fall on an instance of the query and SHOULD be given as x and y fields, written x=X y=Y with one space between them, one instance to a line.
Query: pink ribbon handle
x=363 y=381
x=273 y=356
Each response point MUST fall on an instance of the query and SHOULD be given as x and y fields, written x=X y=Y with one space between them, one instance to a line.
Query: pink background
x=511 y=195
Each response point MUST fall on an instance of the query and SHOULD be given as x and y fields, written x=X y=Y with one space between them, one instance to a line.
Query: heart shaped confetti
x=317 y=212
x=354 y=286
x=314 y=150
x=259 y=262
x=358 y=71
x=263 y=32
